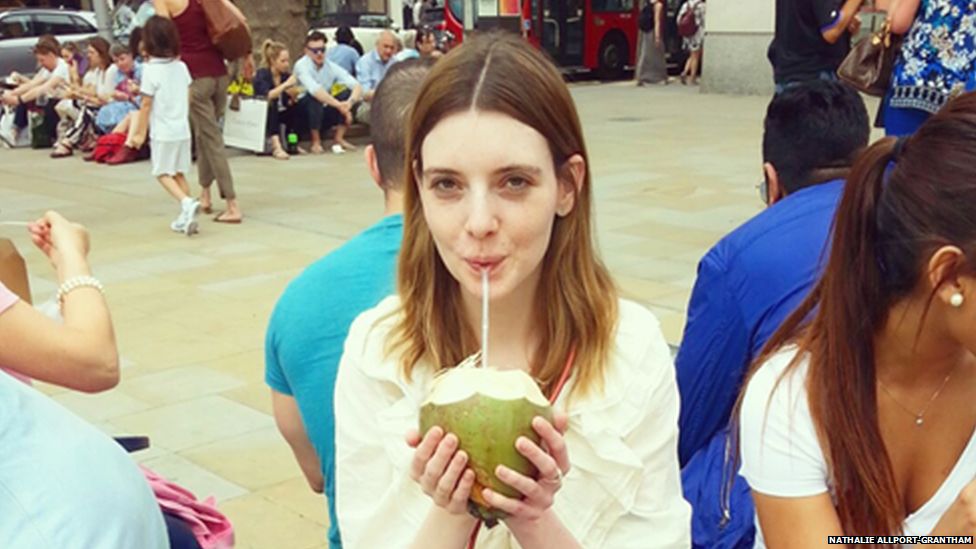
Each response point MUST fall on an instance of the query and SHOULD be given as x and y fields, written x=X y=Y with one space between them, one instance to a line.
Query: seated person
x=77 y=63
x=858 y=414
x=755 y=276
x=312 y=318
x=372 y=67
x=517 y=212
x=343 y=53
x=425 y=45
x=125 y=95
x=49 y=83
x=275 y=82
x=63 y=483
x=318 y=76
x=81 y=104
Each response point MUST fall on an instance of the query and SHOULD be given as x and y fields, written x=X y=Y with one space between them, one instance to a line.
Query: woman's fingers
x=425 y=450
x=459 y=499
x=545 y=463
x=449 y=480
x=511 y=506
x=528 y=487
x=553 y=441
x=438 y=462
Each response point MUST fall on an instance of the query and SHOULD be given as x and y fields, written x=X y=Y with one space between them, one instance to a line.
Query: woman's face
x=94 y=59
x=67 y=55
x=490 y=196
x=283 y=62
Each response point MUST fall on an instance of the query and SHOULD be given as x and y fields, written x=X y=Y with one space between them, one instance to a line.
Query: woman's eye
x=516 y=183
x=444 y=185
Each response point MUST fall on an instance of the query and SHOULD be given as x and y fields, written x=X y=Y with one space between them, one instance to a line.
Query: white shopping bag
x=244 y=127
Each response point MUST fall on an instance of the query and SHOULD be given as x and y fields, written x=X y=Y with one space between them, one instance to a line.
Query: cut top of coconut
x=458 y=384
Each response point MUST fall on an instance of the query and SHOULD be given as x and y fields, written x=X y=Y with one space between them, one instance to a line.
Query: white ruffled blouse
x=623 y=491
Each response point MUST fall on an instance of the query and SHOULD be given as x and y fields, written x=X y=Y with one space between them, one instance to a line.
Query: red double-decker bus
x=598 y=35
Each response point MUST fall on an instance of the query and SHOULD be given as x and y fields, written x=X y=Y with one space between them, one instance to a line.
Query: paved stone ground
x=673 y=171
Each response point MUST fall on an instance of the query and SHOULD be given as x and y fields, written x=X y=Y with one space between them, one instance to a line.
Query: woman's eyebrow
x=511 y=168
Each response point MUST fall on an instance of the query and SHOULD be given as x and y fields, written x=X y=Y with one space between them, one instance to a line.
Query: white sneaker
x=188 y=210
x=191 y=228
x=178 y=224
x=337 y=149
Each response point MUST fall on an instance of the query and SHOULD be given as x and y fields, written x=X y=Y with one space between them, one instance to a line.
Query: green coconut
x=487 y=409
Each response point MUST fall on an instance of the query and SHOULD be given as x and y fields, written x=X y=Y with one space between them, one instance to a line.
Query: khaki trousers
x=208 y=101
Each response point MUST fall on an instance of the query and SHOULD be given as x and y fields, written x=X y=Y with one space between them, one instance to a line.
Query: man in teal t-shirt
x=311 y=320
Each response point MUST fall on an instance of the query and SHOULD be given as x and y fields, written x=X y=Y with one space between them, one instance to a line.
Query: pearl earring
x=956 y=300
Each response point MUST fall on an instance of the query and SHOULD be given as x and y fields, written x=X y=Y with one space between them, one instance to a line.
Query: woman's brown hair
x=102 y=47
x=903 y=200
x=576 y=304
x=270 y=50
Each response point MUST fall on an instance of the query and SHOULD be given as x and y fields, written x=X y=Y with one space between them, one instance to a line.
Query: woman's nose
x=482 y=220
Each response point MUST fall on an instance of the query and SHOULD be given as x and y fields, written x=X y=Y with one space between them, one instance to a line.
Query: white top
x=61 y=70
x=167 y=81
x=65 y=484
x=102 y=80
x=781 y=454
x=623 y=491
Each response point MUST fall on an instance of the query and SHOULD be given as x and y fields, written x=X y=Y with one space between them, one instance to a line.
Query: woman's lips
x=484 y=264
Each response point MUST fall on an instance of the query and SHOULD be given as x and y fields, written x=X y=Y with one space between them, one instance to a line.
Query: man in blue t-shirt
x=311 y=320
x=753 y=279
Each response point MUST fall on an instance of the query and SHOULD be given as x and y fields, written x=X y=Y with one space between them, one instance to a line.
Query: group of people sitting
x=829 y=348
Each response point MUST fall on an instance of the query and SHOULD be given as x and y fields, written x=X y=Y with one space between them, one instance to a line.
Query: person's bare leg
x=173 y=187
x=183 y=184
x=277 y=150
x=340 y=137
x=316 y=142
x=696 y=64
x=123 y=126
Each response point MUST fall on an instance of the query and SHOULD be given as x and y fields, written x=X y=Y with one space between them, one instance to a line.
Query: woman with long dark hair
x=858 y=418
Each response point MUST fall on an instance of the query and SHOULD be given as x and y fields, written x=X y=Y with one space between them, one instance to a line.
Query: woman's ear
x=943 y=272
x=571 y=182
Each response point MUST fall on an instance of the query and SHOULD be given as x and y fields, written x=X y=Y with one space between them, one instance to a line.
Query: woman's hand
x=960 y=518
x=552 y=461
x=441 y=470
x=64 y=243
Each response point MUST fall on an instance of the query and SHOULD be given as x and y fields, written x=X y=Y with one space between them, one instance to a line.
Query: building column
x=737 y=35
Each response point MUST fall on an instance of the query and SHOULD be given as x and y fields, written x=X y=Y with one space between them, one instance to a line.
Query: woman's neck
x=512 y=334
x=914 y=346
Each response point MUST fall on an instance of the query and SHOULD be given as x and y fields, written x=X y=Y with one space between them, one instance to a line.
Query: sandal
x=61 y=152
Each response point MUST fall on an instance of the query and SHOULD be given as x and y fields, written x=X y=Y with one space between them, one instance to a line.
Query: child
x=165 y=106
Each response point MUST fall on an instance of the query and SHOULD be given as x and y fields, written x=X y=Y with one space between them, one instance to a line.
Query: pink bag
x=211 y=528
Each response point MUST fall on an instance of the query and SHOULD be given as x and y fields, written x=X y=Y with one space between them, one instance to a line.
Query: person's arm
x=364 y=75
x=659 y=515
x=833 y=30
x=356 y=91
x=289 y=422
x=138 y=138
x=304 y=73
x=378 y=504
x=712 y=359
x=79 y=353
x=659 y=23
x=24 y=87
x=902 y=14
x=782 y=460
x=796 y=523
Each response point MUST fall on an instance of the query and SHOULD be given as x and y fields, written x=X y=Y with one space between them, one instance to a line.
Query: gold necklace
x=920 y=415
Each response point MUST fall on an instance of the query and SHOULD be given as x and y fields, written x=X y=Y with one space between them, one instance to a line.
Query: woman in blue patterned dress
x=937 y=59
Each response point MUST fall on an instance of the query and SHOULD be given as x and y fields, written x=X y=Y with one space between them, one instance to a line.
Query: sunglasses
x=316 y=51
x=763 y=188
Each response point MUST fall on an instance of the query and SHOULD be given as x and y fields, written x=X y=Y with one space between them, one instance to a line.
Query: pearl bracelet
x=73 y=284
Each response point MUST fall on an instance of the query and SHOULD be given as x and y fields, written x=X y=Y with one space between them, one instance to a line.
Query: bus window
x=613 y=6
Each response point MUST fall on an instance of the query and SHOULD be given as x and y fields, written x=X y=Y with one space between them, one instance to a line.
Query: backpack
x=107 y=145
x=687 y=26
x=645 y=19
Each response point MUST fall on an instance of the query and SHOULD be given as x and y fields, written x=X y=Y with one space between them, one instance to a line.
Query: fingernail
x=501 y=471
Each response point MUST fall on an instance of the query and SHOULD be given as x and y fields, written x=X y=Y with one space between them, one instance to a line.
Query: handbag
x=869 y=64
x=244 y=127
x=227 y=28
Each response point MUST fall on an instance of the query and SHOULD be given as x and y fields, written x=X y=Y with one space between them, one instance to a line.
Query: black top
x=264 y=82
x=798 y=51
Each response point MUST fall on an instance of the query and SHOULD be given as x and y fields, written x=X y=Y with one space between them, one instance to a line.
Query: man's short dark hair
x=812 y=128
x=47 y=43
x=389 y=114
x=315 y=36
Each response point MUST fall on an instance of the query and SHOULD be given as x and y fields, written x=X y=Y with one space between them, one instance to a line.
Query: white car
x=19 y=29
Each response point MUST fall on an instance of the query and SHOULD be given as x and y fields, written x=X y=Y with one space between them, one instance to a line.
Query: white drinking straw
x=484 y=317
x=15 y=223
